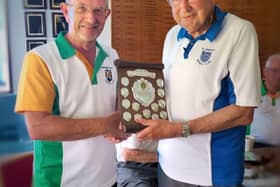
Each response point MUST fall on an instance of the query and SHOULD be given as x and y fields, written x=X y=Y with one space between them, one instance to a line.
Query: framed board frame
x=59 y=23
x=35 y=24
x=35 y=4
x=30 y=44
x=54 y=4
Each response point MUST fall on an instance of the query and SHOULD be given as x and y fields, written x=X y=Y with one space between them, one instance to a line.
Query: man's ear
x=64 y=9
x=108 y=12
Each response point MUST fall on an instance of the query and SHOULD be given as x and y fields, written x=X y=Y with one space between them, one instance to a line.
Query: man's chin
x=89 y=38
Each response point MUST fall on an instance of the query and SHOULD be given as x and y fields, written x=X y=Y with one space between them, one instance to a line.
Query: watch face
x=186 y=130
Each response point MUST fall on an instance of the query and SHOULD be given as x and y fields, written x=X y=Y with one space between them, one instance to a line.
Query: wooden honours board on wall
x=265 y=16
x=139 y=26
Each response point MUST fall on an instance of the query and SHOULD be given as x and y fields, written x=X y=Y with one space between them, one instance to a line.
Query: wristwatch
x=186 y=129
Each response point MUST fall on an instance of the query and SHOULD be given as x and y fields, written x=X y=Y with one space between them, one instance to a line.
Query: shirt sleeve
x=244 y=67
x=36 y=88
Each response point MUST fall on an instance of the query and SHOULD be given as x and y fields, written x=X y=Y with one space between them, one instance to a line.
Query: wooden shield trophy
x=141 y=93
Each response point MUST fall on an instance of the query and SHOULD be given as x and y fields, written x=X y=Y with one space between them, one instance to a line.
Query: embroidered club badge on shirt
x=205 y=56
x=108 y=75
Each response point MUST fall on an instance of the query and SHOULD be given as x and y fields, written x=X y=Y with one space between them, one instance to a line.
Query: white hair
x=106 y=1
x=273 y=58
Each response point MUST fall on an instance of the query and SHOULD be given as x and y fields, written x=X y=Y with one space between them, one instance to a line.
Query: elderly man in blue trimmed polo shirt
x=212 y=78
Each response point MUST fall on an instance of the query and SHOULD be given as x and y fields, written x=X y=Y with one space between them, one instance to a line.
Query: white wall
x=17 y=41
x=17 y=35
x=106 y=35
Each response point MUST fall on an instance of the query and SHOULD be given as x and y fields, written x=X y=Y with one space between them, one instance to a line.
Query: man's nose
x=186 y=5
x=90 y=15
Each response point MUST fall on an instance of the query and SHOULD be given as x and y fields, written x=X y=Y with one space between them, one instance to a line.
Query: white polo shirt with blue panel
x=205 y=74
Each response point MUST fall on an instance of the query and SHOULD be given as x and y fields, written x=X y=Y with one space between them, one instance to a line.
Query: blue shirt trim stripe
x=227 y=146
x=211 y=34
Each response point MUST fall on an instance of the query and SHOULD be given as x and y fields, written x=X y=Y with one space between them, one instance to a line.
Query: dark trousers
x=165 y=181
x=134 y=174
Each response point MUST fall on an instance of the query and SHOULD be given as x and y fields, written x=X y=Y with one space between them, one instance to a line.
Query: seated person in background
x=270 y=157
x=137 y=163
x=266 y=124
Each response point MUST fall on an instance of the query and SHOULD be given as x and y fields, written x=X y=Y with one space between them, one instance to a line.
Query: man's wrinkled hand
x=157 y=129
x=115 y=130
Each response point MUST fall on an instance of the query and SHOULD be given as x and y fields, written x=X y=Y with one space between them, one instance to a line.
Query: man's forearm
x=228 y=117
x=44 y=126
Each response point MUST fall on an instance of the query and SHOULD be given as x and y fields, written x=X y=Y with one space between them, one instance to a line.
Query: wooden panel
x=265 y=16
x=139 y=26
x=139 y=29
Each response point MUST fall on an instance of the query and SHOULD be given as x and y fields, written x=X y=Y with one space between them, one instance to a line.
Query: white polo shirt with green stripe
x=87 y=162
